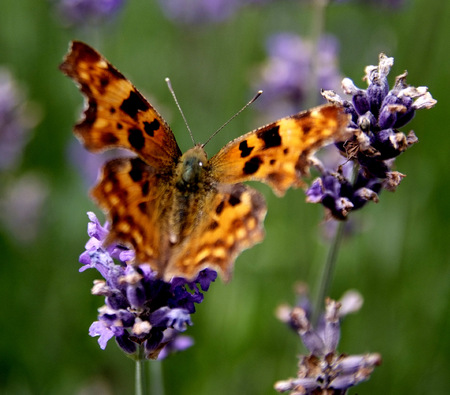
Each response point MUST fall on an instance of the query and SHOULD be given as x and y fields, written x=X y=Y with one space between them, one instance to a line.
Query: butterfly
x=182 y=213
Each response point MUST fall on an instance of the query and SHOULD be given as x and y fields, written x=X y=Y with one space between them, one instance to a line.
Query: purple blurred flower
x=287 y=74
x=203 y=11
x=140 y=309
x=324 y=369
x=376 y=114
x=197 y=11
x=83 y=12
x=16 y=121
x=21 y=205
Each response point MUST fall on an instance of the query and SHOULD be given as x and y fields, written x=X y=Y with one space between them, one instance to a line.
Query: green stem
x=330 y=263
x=140 y=378
x=327 y=275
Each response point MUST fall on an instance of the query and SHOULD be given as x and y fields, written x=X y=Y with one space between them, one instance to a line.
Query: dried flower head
x=377 y=113
x=324 y=370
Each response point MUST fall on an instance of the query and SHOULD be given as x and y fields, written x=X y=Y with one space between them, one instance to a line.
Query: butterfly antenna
x=169 y=84
x=258 y=94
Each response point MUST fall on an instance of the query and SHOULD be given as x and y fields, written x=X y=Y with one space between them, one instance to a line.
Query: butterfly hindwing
x=131 y=192
x=232 y=223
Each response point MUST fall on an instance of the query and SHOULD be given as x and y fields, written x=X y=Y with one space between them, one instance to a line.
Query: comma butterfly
x=184 y=212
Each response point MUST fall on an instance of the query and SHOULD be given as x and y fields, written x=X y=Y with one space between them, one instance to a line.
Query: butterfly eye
x=200 y=164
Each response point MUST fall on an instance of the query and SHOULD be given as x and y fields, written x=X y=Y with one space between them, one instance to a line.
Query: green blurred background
x=398 y=258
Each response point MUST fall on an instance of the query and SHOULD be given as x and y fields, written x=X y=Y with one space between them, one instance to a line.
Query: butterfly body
x=184 y=212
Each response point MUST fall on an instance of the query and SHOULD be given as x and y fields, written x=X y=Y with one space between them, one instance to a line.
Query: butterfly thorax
x=193 y=185
x=191 y=170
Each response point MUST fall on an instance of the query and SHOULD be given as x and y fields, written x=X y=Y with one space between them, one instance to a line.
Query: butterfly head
x=191 y=167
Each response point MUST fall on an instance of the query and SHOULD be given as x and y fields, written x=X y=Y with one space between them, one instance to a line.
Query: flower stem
x=328 y=269
x=141 y=376
x=148 y=379
x=330 y=263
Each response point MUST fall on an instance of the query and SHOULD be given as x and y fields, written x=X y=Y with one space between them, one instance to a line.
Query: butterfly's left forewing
x=278 y=154
x=117 y=115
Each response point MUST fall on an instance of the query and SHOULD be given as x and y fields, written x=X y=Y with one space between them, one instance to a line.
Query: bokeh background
x=397 y=257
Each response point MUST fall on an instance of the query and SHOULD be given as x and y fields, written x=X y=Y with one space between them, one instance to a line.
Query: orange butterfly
x=184 y=212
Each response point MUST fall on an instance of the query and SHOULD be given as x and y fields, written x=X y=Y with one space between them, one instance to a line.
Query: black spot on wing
x=271 y=137
x=213 y=225
x=220 y=207
x=136 y=170
x=306 y=128
x=145 y=188
x=245 y=149
x=234 y=200
x=151 y=127
x=109 y=139
x=136 y=138
x=104 y=82
x=143 y=207
x=91 y=112
x=235 y=195
x=252 y=165
x=133 y=104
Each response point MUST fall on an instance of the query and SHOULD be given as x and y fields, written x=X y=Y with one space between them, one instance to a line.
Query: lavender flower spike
x=16 y=120
x=82 y=12
x=377 y=113
x=324 y=370
x=140 y=309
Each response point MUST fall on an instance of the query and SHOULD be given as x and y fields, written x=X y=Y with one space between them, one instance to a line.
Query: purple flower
x=203 y=11
x=21 y=205
x=376 y=114
x=198 y=11
x=140 y=309
x=286 y=75
x=16 y=121
x=324 y=369
x=83 y=12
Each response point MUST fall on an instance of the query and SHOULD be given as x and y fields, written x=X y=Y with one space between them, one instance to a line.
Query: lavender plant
x=16 y=120
x=203 y=11
x=286 y=75
x=324 y=370
x=21 y=197
x=143 y=313
x=376 y=114
x=83 y=12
